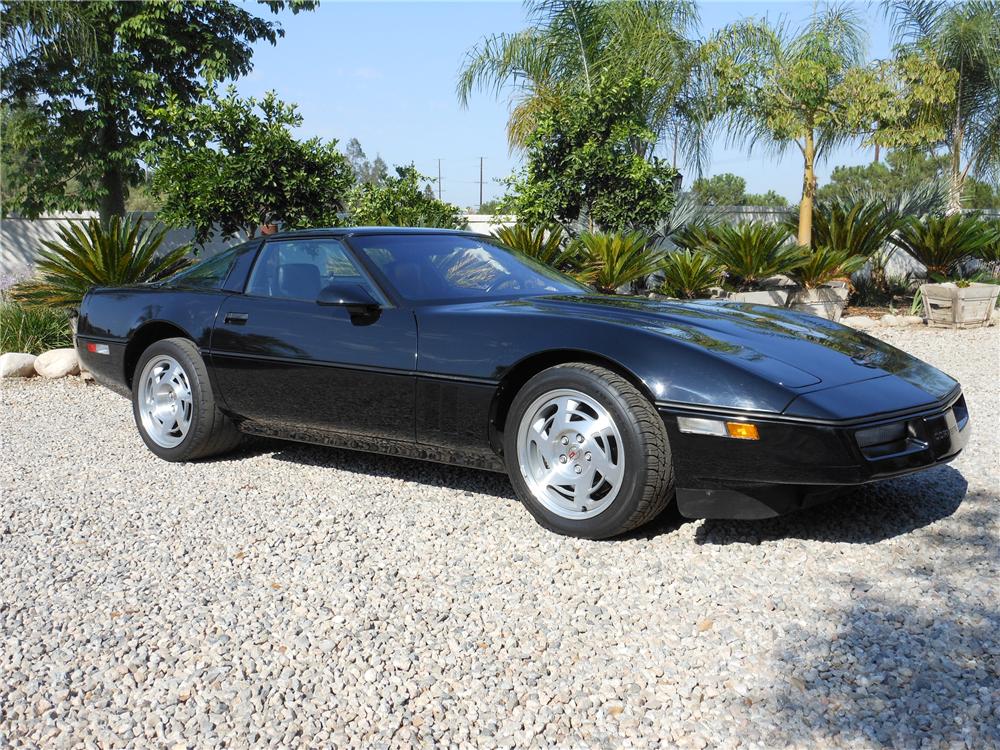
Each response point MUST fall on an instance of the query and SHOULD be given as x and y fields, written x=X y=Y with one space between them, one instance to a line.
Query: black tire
x=648 y=484
x=210 y=432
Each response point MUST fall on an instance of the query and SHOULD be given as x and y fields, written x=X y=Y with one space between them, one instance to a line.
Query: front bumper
x=799 y=462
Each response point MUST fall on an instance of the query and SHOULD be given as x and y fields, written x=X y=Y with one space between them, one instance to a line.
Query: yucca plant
x=824 y=265
x=689 y=275
x=610 y=261
x=544 y=244
x=944 y=243
x=752 y=251
x=94 y=254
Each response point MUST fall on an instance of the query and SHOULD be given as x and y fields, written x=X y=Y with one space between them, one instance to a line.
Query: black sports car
x=444 y=345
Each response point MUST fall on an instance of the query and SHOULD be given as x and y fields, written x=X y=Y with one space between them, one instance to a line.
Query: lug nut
x=563 y=459
x=578 y=469
x=587 y=455
x=579 y=438
x=565 y=440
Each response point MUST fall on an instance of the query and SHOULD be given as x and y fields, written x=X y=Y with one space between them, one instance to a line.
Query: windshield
x=439 y=268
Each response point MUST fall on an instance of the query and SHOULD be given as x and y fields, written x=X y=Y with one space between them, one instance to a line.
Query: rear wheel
x=587 y=453
x=173 y=404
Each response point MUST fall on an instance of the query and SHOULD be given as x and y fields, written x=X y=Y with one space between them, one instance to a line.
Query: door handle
x=237 y=318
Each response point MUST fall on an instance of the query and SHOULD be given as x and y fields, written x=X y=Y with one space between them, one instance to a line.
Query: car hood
x=799 y=351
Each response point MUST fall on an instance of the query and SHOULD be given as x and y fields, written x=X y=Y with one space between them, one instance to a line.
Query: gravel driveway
x=292 y=594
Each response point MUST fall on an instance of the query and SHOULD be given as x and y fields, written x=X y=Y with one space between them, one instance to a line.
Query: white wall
x=21 y=239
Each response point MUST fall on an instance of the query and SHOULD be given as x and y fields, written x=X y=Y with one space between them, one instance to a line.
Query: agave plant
x=826 y=264
x=610 y=261
x=544 y=244
x=94 y=254
x=689 y=275
x=752 y=251
x=944 y=243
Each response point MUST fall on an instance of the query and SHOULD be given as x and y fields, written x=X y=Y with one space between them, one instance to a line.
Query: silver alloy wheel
x=571 y=454
x=165 y=403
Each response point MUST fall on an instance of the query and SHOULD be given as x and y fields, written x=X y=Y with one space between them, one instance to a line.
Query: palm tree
x=777 y=88
x=964 y=37
x=571 y=43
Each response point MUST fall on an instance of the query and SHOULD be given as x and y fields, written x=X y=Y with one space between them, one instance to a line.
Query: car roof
x=353 y=231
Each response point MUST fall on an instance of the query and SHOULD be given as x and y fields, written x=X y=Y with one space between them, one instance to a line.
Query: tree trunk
x=808 y=191
x=113 y=200
x=955 y=179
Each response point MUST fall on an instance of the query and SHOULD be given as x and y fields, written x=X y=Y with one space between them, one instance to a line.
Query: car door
x=282 y=360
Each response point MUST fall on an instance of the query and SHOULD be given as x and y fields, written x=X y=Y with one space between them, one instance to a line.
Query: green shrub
x=944 y=243
x=695 y=237
x=752 y=251
x=94 y=254
x=610 y=260
x=33 y=329
x=825 y=264
x=689 y=275
x=544 y=244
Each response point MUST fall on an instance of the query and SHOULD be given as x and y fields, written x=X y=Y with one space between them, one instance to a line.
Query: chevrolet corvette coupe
x=446 y=346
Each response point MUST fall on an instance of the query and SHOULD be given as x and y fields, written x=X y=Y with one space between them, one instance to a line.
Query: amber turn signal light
x=742 y=431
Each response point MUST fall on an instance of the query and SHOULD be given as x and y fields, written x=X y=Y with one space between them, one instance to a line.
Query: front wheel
x=173 y=404
x=587 y=453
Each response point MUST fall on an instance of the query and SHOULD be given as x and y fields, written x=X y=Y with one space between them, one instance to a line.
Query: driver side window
x=298 y=269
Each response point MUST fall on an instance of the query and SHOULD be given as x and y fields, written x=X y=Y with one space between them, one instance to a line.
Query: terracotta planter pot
x=952 y=306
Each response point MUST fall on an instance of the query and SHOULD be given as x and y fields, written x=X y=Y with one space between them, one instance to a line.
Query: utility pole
x=439 y=179
x=480 y=184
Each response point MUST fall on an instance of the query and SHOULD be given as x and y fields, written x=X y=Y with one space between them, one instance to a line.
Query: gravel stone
x=291 y=595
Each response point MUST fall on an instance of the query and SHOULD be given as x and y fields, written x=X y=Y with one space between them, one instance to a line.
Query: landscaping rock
x=889 y=320
x=57 y=363
x=910 y=320
x=861 y=322
x=17 y=365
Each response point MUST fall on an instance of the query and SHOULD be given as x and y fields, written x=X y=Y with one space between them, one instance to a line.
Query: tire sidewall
x=196 y=374
x=611 y=521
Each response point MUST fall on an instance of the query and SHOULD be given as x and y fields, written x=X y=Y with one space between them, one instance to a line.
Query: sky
x=385 y=73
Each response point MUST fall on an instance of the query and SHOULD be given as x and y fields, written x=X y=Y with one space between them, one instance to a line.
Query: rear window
x=209 y=273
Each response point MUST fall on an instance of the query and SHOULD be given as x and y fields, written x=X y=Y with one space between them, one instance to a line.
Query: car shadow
x=457 y=478
x=864 y=515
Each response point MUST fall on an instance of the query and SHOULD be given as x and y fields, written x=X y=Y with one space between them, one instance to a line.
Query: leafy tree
x=365 y=171
x=238 y=167
x=582 y=163
x=812 y=89
x=724 y=189
x=728 y=189
x=399 y=202
x=92 y=73
x=903 y=171
x=770 y=198
x=491 y=206
x=571 y=44
x=965 y=39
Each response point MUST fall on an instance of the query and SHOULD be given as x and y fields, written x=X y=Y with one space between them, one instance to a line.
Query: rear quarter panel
x=117 y=316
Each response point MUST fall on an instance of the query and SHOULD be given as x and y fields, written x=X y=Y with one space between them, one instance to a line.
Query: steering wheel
x=500 y=283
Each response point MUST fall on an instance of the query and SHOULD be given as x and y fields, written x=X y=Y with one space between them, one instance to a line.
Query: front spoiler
x=801 y=463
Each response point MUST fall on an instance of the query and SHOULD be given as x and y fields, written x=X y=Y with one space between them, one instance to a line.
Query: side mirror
x=355 y=297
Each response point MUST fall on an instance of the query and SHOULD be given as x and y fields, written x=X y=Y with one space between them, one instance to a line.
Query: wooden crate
x=952 y=306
